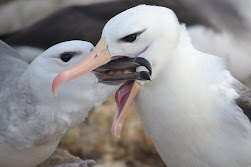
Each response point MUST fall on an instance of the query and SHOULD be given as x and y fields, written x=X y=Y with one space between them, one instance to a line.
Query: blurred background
x=15 y=14
x=229 y=21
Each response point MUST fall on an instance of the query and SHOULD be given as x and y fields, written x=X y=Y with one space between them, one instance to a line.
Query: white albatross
x=214 y=26
x=189 y=108
x=32 y=119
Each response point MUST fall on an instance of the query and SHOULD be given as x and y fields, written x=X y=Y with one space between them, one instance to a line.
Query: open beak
x=122 y=70
x=126 y=73
x=124 y=97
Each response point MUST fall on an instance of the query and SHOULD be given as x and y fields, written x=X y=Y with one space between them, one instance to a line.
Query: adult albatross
x=190 y=107
x=32 y=119
x=215 y=27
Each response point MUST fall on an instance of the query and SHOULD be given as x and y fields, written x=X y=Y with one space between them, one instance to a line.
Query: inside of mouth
x=122 y=95
x=120 y=71
x=109 y=70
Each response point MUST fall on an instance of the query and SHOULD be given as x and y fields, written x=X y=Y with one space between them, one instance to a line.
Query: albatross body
x=32 y=119
x=192 y=107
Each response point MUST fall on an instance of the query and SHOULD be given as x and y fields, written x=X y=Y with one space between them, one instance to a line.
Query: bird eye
x=130 y=38
x=66 y=57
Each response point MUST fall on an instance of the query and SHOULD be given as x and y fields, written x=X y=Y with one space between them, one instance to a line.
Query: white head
x=149 y=32
x=79 y=95
x=144 y=31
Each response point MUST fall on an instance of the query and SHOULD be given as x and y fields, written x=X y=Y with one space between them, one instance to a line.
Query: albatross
x=196 y=113
x=214 y=26
x=32 y=119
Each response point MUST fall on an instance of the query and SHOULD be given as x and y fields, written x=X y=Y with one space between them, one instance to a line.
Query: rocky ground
x=93 y=140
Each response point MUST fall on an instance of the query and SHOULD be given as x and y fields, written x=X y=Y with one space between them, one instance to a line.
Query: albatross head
x=74 y=98
x=59 y=58
x=143 y=32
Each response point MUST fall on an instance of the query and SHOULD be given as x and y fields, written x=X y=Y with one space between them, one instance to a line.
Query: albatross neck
x=184 y=110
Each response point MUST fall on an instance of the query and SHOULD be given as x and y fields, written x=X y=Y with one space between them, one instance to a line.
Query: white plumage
x=216 y=27
x=225 y=44
x=32 y=119
x=189 y=108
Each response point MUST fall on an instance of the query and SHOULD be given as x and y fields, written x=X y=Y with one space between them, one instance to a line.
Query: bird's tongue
x=124 y=98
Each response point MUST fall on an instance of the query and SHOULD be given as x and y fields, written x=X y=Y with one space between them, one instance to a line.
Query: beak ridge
x=97 y=57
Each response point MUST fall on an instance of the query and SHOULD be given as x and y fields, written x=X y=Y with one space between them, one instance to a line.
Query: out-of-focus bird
x=196 y=113
x=32 y=119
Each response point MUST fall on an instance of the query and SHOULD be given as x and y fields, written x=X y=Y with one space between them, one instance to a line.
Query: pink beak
x=97 y=57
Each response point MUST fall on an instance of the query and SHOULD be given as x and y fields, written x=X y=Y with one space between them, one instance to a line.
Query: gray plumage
x=32 y=119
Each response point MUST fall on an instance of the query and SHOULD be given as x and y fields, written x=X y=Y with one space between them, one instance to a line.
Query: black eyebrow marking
x=70 y=52
x=138 y=33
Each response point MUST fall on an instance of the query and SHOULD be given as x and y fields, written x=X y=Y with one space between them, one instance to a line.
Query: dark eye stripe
x=132 y=37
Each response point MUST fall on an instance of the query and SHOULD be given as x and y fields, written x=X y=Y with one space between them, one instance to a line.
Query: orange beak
x=97 y=57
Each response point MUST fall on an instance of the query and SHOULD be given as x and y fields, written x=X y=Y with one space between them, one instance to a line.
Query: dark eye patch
x=65 y=57
x=132 y=37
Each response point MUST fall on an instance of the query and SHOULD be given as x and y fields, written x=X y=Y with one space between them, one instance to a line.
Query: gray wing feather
x=12 y=67
x=244 y=100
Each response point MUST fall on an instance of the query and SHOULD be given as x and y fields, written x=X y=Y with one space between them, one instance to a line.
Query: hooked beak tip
x=54 y=89
x=116 y=135
x=116 y=131
x=55 y=92
x=57 y=81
